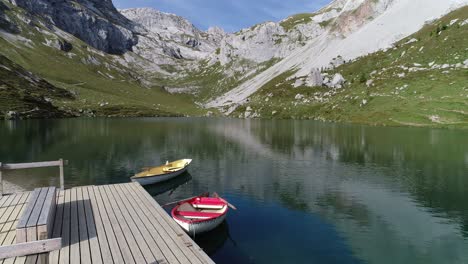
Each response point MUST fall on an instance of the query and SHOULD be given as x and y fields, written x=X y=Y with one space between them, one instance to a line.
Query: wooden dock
x=118 y=223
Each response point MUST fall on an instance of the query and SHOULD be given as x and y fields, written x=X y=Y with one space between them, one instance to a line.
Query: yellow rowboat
x=162 y=173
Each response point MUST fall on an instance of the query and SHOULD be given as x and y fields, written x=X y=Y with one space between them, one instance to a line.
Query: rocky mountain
x=171 y=39
x=356 y=28
x=140 y=59
x=96 y=22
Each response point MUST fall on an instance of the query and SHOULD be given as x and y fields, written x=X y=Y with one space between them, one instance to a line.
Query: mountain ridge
x=167 y=56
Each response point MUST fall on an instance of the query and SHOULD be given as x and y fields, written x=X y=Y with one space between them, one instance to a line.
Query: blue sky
x=231 y=15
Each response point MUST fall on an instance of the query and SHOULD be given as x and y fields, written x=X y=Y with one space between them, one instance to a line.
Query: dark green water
x=307 y=192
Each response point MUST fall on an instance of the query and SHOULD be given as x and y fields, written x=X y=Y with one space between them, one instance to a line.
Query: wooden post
x=1 y=181
x=62 y=180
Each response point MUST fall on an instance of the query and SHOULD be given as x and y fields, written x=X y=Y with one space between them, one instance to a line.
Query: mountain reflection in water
x=306 y=191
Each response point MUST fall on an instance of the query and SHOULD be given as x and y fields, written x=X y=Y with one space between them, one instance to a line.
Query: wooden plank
x=170 y=224
x=114 y=222
x=95 y=251
x=8 y=204
x=6 y=218
x=10 y=236
x=46 y=217
x=65 y=250
x=1 y=180
x=101 y=232
x=31 y=226
x=57 y=229
x=29 y=248
x=31 y=259
x=85 y=254
x=169 y=237
x=153 y=238
x=140 y=235
x=62 y=180
x=9 y=226
x=3 y=199
x=29 y=208
x=112 y=239
x=74 y=229
x=49 y=202
x=31 y=165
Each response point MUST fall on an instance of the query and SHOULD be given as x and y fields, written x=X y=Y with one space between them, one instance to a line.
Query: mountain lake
x=306 y=191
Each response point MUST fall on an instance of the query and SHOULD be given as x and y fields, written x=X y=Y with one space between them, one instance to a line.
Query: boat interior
x=187 y=211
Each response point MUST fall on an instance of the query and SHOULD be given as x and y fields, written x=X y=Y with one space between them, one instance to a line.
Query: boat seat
x=208 y=202
x=197 y=215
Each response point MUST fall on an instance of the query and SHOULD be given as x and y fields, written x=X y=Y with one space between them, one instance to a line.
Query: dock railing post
x=62 y=181
x=1 y=181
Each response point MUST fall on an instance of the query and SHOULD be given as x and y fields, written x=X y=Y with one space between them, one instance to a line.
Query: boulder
x=11 y=115
x=315 y=78
x=465 y=62
x=298 y=82
x=337 y=81
x=299 y=97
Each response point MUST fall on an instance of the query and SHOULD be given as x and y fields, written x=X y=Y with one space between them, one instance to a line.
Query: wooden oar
x=229 y=204
x=187 y=199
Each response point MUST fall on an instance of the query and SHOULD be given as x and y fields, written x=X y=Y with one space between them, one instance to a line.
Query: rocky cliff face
x=170 y=39
x=353 y=28
x=96 y=22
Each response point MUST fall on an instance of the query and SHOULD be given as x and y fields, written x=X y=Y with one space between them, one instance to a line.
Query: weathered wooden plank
x=170 y=224
x=9 y=217
x=10 y=236
x=74 y=229
x=176 y=246
x=65 y=251
x=57 y=229
x=112 y=238
x=62 y=180
x=31 y=165
x=18 y=260
x=114 y=222
x=23 y=221
x=31 y=226
x=3 y=200
x=1 y=180
x=46 y=216
x=95 y=251
x=154 y=240
x=5 y=210
x=9 y=226
x=148 y=219
x=85 y=254
x=105 y=240
x=138 y=231
x=29 y=248
x=31 y=259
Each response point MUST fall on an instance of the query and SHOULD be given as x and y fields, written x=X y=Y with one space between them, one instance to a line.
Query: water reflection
x=382 y=194
x=168 y=186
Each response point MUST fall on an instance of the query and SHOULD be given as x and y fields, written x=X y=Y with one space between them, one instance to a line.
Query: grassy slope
x=214 y=80
x=122 y=92
x=433 y=97
x=28 y=95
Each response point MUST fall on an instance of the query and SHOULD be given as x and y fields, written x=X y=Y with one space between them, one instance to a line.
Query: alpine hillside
x=346 y=62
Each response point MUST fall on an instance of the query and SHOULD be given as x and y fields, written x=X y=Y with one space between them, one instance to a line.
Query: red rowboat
x=200 y=214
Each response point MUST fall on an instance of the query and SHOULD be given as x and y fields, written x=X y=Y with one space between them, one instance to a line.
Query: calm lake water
x=306 y=192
